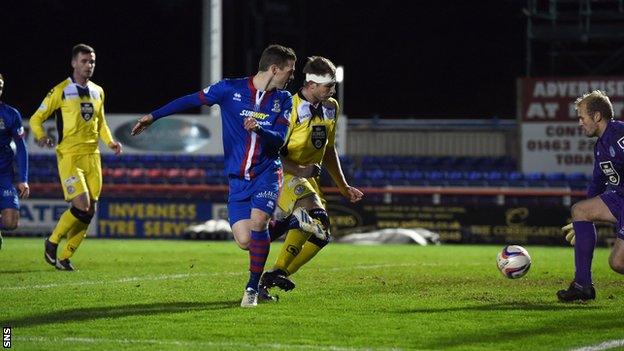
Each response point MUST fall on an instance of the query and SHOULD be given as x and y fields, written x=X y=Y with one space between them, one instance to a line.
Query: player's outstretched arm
x=142 y=124
x=175 y=106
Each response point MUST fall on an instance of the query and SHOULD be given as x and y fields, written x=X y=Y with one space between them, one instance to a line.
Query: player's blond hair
x=596 y=101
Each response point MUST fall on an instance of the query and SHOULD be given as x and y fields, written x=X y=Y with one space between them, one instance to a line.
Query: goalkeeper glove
x=569 y=233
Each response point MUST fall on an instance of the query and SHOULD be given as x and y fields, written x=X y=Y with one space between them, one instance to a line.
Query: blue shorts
x=261 y=193
x=8 y=193
x=615 y=203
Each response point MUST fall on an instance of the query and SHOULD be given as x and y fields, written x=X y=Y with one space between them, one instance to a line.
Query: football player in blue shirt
x=605 y=195
x=255 y=115
x=11 y=129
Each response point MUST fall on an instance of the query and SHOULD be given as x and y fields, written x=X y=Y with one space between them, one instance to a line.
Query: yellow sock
x=64 y=225
x=291 y=247
x=308 y=251
x=74 y=238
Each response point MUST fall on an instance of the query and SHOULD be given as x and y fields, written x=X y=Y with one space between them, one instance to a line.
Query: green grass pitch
x=181 y=295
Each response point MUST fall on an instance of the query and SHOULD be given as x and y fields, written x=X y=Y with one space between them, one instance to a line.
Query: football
x=513 y=261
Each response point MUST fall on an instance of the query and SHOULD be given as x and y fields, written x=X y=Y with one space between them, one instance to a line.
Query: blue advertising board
x=149 y=218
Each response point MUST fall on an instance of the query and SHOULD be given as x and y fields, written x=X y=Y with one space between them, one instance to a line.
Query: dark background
x=417 y=59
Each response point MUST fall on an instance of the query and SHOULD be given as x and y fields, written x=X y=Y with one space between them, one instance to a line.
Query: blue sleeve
x=209 y=96
x=21 y=154
x=177 y=105
x=21 y=157
x=213 y=94
x=273 y=139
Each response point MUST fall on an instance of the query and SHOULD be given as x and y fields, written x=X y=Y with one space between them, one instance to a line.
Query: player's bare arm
x=332 y=164
x=142 y=124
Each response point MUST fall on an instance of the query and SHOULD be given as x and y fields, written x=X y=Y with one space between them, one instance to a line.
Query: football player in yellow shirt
x=310 y=144
x=78 y=106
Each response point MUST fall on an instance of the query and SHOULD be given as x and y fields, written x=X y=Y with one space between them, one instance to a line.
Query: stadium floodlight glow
x=339 y=74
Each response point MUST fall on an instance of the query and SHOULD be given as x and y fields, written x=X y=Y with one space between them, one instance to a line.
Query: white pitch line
x=185 y=343
x=602 y=346
x=122 y=280
x=190 y=275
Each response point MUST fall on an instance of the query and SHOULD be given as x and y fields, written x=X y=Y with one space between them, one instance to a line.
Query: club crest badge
x=276 y=106
x=612 y=175
x=86 y=111
x=318 y=136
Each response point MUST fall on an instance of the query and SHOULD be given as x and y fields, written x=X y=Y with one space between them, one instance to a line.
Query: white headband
x=319 y=79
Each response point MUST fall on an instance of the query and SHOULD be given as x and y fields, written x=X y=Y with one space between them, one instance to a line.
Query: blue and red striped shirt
x=246 y=154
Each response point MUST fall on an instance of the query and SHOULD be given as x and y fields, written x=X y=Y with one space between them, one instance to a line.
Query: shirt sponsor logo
x=254 y=114
x=236 y=97
x=2 y=126
x=612 y=175
x=7 y=193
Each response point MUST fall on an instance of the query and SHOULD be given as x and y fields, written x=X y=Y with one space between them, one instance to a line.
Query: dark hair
x=276 y=55
x=320 y=65
x=596 y=101
x=81 y=49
